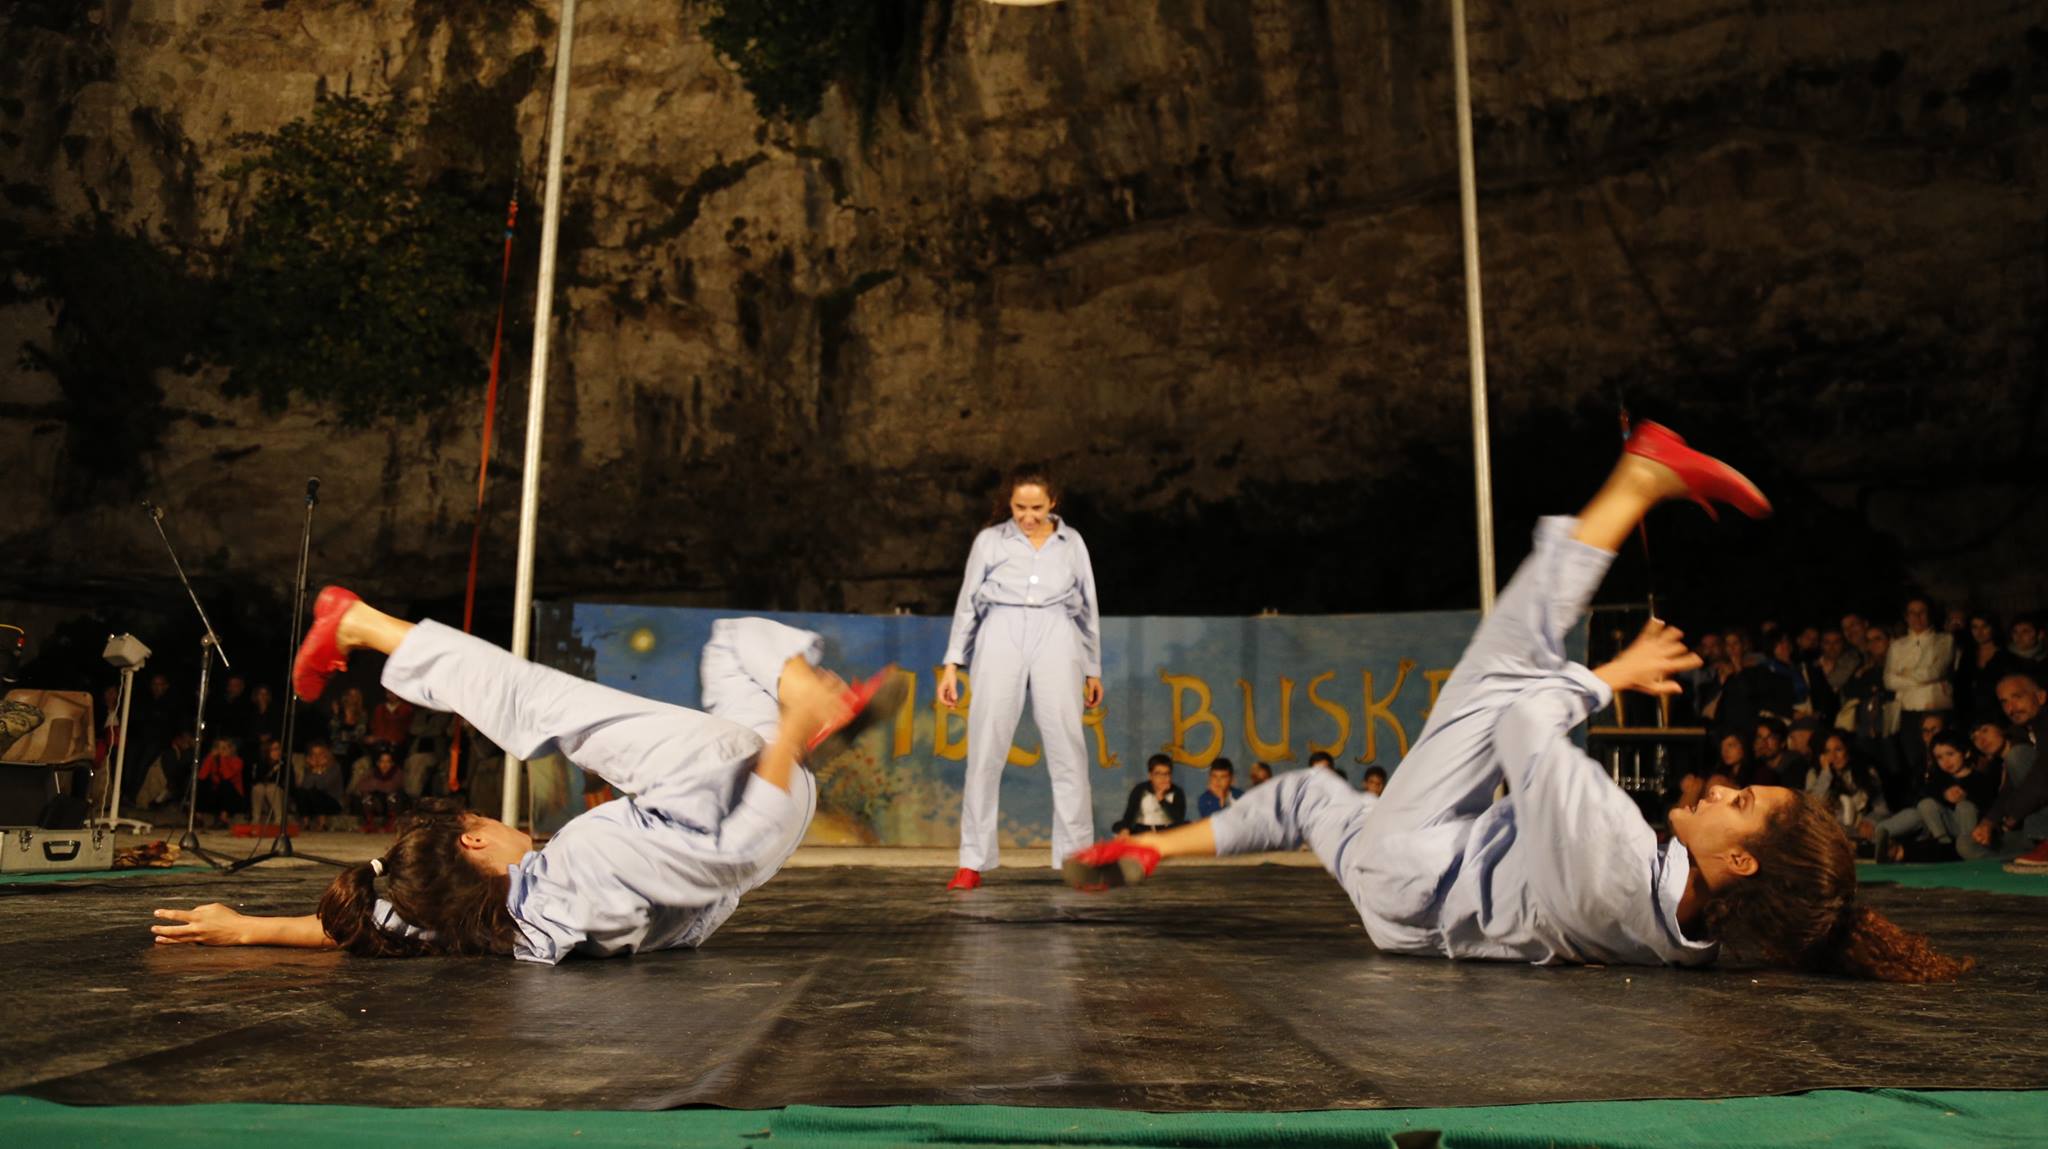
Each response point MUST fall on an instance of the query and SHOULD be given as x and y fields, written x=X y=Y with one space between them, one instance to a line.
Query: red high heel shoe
x=319 y=657
x=1705 y=477
x=1107 y=865
x=965 y=879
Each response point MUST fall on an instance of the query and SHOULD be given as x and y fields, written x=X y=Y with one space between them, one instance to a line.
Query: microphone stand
x=281 y=845
x=209 y=646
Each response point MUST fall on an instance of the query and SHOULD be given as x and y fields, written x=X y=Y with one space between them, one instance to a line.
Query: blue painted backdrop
x=1359 y=686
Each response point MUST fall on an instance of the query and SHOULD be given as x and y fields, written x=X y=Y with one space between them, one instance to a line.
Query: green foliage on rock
x=352 y=280
x=790 y=52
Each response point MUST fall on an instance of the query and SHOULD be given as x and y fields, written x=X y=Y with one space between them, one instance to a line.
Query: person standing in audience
x=1916 y=670
x=1748 y=688
x=266 y=782
x=391 y=723
x=348 y=728
x=1856 y=631
x=1979 y=667
x=1221 y=791
x=2026 y=641
x=1375 y=781
x=1156 y=803
x=1703 y=682
x=1838 y=660
x=266 y=717
x=1261 y=773
x=228 y=716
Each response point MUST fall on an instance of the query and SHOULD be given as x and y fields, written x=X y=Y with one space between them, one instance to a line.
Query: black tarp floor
x=1208 y=988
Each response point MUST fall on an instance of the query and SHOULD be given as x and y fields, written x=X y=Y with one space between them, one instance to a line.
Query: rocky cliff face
x=1202 y=256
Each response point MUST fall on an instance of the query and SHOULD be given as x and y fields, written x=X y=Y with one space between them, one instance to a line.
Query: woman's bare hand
x=212 y=924
x=1649 y=662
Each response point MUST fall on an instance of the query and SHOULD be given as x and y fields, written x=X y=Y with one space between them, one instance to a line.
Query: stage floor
x=1210 y=988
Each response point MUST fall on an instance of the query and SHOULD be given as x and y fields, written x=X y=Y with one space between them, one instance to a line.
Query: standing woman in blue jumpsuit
x=1564 y=869
x=1029 y=620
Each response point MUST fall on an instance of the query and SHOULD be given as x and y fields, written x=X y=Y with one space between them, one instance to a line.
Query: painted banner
x=1272 y=689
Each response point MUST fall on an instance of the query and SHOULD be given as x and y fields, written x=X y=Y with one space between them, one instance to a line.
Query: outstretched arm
x=214 y=924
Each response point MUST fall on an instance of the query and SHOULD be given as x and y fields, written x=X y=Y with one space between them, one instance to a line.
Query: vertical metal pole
x=537 y=389
x=1475 y=328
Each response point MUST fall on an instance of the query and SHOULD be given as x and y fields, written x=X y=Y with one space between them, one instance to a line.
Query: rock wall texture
x=1203 y=256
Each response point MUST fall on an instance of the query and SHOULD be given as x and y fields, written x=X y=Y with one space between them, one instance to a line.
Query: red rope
x=483 y=469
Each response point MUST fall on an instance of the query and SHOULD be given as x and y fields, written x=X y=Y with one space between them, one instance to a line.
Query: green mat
x=1985 y=874
x=1834 y=1118
x=92 y=875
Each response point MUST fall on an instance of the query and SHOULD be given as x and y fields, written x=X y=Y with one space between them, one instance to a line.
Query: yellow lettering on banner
x=1382 y=709
x=1338 y=714
x=1269 y=751
x=944 y=745
x=906 y=718
x=1436 y=686
x=1183 y=722
x=1104 y=757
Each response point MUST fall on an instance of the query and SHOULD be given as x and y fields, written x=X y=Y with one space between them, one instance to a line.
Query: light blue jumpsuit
x=1029 y=618
x=665 y=865
x=1563 y=869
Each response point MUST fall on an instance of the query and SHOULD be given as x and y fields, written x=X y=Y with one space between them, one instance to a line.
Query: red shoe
x=1705 y=477
x=965 y=879
x=318 y=657
x=868 y=702
x=2034 y=861
x=1107 y=865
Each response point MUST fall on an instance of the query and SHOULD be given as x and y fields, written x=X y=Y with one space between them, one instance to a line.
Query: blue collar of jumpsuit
x=1012 y=531
x=1677 y=869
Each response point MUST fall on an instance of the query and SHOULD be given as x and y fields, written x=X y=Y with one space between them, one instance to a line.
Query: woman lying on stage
x=715 y=802
x=1564 y=869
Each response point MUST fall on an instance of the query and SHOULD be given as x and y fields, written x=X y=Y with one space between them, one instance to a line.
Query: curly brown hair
x=1799 y=909
x=1023 y=475
x=457 y=908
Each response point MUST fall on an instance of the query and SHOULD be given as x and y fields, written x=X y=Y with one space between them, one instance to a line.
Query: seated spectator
x=1221 y=792
x=391 y=723
x=1775 y=765
x=1261 y=773
x=1321 y=758
x=1375 y=782
x=266 y=782
x=1807 y=645
x=379 y=796
x=1734 y=769
x=1852 y=790
x=2026 y=641
x=1156 y=803
x=223 y=791
x=1953 y=793
x=1855 y=631
x=2025 y=792
x=1838 y=660
x=163 y=777
x=1703 y=682
x=1979 y=667
x=319 y=791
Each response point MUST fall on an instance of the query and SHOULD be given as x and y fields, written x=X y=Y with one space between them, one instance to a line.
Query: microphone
x=155 y=512
x=313 y=490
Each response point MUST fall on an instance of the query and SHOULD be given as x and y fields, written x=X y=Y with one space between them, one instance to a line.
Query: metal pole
x=537 y=389
x=1475 y=329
